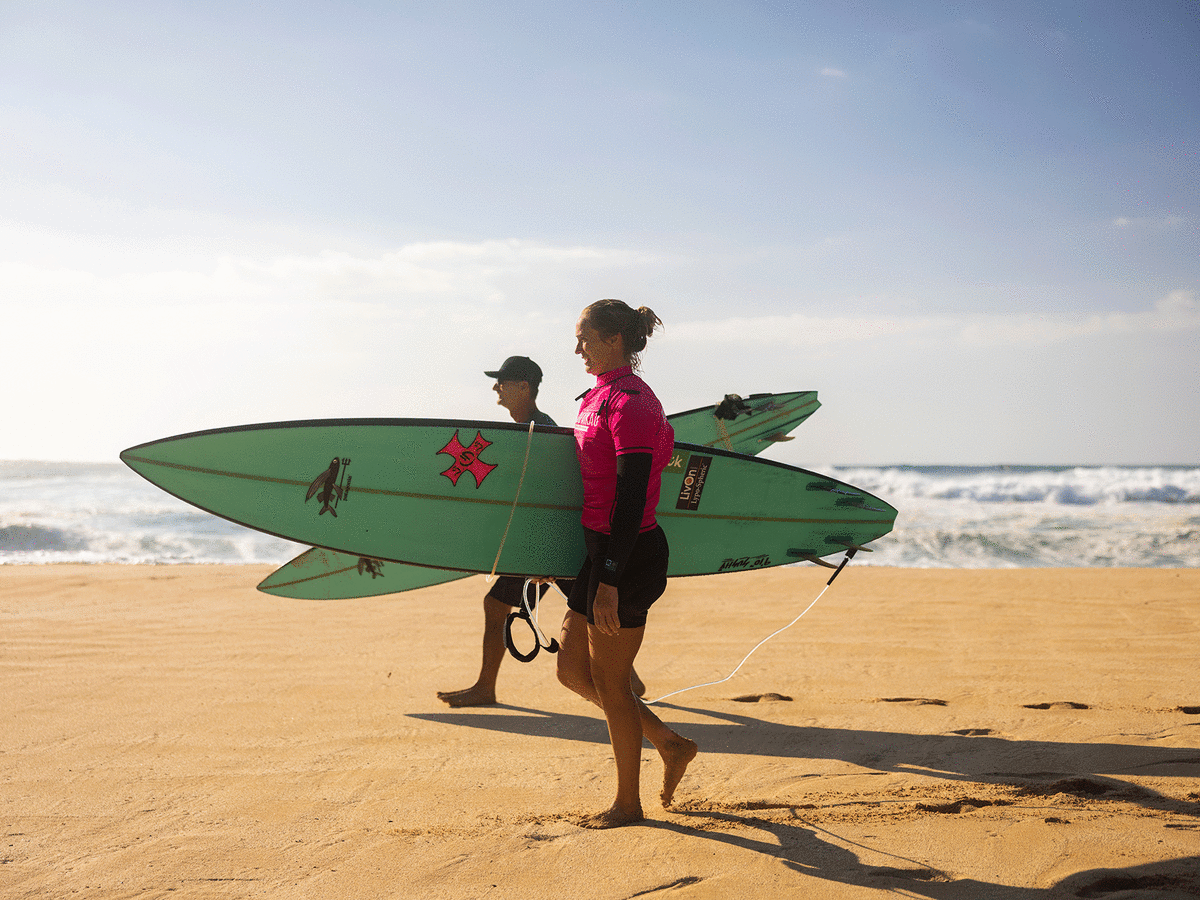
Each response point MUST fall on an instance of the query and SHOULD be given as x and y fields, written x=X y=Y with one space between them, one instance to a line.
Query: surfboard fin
x=851 y=546
x=857 y=503
x=811 y=557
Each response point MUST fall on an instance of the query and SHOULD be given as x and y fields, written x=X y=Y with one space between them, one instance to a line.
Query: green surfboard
x=740 y=425
x=320 y=574
x=745 y=425
x=470 y=496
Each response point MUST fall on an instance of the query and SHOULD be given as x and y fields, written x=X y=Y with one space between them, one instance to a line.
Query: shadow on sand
x=810 y=849
x=1085 y=769
x=953 y=757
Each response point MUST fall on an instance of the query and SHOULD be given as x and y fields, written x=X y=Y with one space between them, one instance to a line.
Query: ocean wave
x=932 y=534
x=35 y=539
x=236 y=546
x=993 y=549
x=1065 y=486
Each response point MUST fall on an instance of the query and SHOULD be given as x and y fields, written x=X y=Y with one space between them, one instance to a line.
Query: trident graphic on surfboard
x=326 y=488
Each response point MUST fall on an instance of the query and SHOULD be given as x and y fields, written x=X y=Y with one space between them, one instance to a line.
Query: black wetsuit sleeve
x=633 y=482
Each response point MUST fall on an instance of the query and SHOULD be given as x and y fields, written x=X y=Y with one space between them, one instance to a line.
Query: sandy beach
x=170 y=732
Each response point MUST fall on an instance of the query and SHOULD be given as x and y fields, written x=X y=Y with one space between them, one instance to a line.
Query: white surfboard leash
x=849 y=555
x=517 y=496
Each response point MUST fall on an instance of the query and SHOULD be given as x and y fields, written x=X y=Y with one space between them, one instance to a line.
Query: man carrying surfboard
x=516 y=386
x=623 y=441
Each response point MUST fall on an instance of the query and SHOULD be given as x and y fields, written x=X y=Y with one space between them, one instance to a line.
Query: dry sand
x=170 y=732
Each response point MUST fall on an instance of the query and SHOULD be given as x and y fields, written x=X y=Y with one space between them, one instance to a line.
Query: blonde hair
x=611 y=317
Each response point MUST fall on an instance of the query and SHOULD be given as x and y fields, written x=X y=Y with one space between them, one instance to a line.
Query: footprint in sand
x=1079 y=787
x=958 y=806
x=909 y=874
x=686 y=881
x=1060 y=704
x=762 y=698
x=915 y=701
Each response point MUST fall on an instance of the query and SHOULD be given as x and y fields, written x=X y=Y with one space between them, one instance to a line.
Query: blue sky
x=971 y=227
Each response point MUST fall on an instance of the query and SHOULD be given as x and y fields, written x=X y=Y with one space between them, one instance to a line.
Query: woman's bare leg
x=612 y=659
x=597 y=668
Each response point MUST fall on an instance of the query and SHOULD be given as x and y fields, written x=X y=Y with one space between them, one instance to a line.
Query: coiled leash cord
x=849 y=555
x=528 y=612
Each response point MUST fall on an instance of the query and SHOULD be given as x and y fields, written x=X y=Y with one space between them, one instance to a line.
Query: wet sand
x=171 y=732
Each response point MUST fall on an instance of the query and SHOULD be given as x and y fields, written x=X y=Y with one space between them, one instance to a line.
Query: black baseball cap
x=518 y=368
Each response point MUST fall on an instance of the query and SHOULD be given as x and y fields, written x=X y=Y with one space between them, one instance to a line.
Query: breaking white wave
x=1063 y=485
x=101 y=512
x=1035 y=516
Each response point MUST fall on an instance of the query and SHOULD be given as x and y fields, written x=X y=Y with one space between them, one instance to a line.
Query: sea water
x=104 y=512
x=950 y=517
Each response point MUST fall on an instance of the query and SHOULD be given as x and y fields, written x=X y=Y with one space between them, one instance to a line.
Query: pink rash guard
x=619 y=415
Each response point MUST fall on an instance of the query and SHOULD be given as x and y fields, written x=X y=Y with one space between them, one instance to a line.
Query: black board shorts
x=508 y=589
x=642 y=582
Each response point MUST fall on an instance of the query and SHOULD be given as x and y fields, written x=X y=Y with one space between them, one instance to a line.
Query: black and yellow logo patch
x=694 y=478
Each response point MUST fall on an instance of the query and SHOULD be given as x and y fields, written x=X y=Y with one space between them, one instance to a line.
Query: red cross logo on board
x=466 y=459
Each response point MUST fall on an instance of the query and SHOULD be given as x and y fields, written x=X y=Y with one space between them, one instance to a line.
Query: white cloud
x=483 y=272
x=1177 y=304
x=830 y=72
x=1150 y=223
x=119 y=348
x=1177 y=311
x=794 y=330
x=123 y=346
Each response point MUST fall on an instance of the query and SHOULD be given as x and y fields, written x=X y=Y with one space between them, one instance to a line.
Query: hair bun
x=611 y=317
x=649 y=320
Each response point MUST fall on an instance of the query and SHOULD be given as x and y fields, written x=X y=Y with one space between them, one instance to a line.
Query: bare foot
x=472 y=696
x=611 y=818
x=676 y=757
x=636 y=683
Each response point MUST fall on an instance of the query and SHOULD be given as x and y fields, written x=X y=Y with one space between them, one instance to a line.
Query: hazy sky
x=972 y=227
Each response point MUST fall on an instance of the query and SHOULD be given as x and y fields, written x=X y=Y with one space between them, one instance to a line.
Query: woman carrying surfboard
x=623 y=441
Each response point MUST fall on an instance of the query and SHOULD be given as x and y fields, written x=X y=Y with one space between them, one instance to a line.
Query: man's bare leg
x=483 y=691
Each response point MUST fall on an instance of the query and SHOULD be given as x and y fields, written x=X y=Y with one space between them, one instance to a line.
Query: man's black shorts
x=507 y=589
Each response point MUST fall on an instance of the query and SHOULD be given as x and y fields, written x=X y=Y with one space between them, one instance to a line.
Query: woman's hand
x=542 y=579
x=604 y=609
